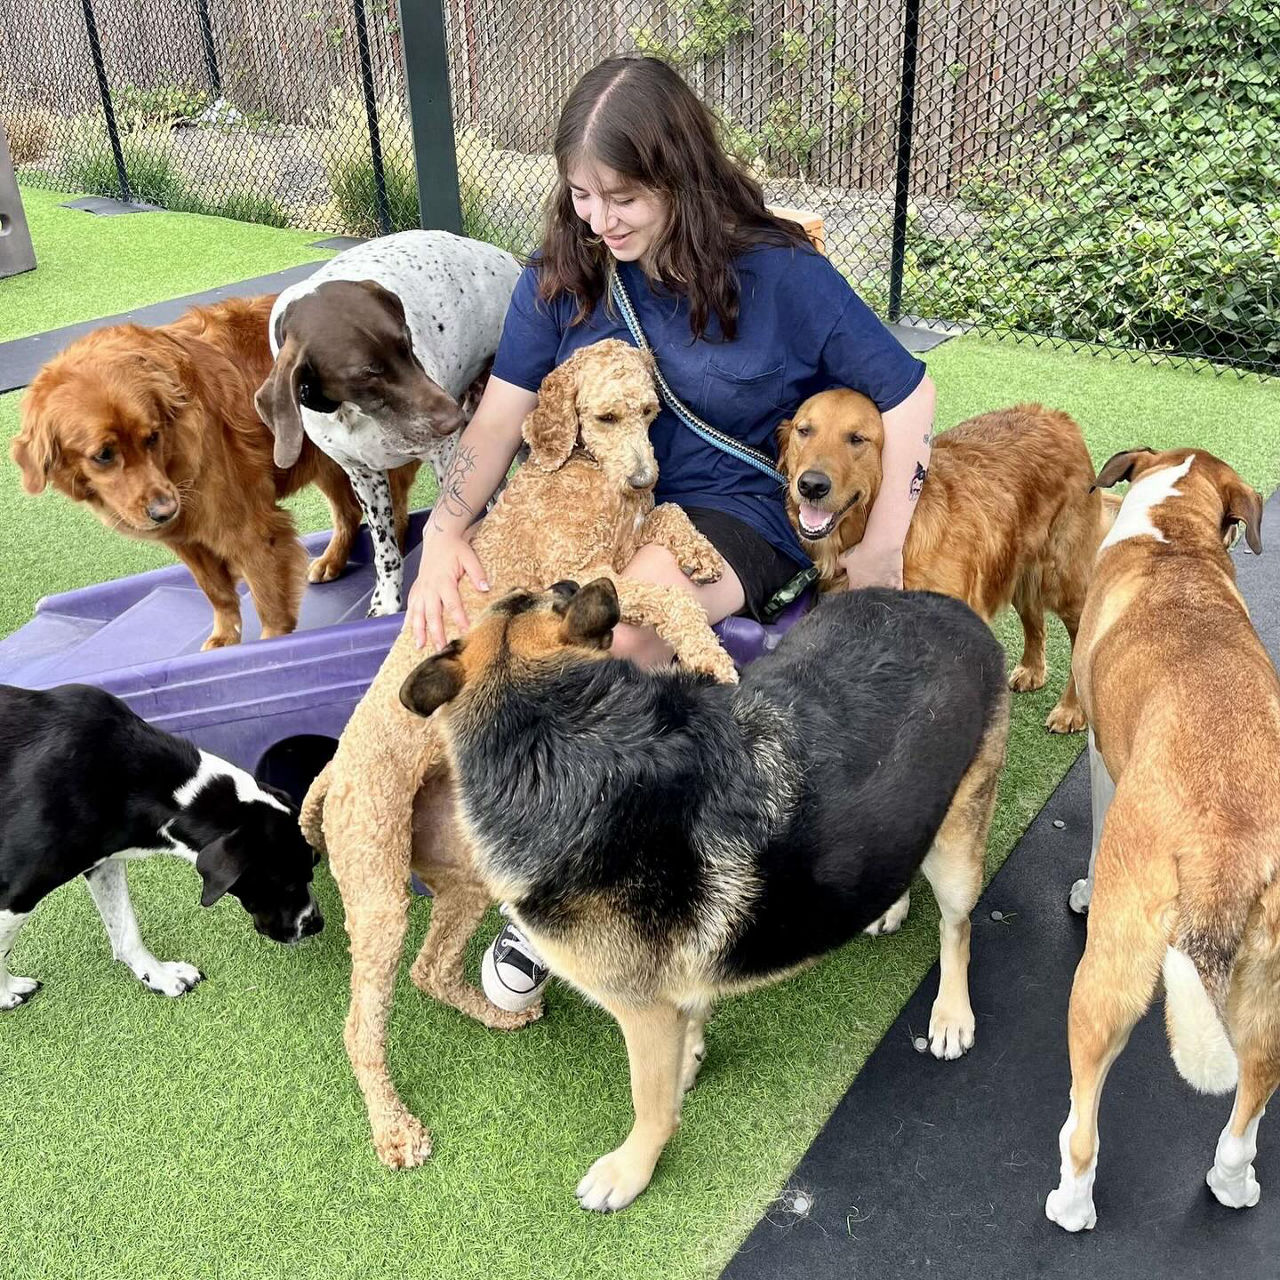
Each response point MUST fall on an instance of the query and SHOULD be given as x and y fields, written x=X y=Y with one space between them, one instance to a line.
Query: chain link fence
x=1079 y=171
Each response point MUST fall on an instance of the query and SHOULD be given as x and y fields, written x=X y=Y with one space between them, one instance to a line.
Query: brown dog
x=155 y=430
x=1184 y=708
x=1006 y=516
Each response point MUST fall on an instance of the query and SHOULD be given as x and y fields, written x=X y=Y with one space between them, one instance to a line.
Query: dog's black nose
x=162 y=510
x=813 y=486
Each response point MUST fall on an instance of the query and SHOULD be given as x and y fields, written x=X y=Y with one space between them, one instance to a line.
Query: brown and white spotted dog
x=377 y=357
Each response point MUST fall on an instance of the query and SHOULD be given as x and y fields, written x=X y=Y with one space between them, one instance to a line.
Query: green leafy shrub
x=1145 y=210
x=161 y=106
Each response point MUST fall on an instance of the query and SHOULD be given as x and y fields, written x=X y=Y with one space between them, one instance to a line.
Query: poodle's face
x=616 y=401
x=601 y=399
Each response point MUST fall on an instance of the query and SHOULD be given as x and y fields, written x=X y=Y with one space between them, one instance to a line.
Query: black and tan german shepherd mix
x=665 y=840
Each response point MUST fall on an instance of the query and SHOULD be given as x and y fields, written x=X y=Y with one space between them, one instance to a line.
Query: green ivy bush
x=1145 y=208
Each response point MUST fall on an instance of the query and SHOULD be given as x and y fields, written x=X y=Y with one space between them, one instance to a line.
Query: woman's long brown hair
x=637 y=117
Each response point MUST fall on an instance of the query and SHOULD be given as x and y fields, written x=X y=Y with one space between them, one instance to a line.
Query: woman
x=745 y=319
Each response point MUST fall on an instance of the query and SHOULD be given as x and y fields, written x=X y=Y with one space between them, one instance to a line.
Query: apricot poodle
x=581 y=507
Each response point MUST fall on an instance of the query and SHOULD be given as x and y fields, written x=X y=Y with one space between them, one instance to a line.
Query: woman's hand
x=434 y=594
x=869 y=566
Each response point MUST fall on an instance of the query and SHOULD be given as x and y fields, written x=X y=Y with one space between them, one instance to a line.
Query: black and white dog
x=85 y=783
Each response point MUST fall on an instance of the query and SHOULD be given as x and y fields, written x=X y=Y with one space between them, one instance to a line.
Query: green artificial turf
x=89 y=266
x=222 y=1135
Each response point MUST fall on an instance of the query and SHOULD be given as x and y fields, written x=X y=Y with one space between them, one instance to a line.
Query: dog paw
x=892 y=919
x=716 y=662
x=405 y=1143
x=1080 y=896
x=613 y=1182
x=384 y=604
x=1070 y=1210
x=950 y=1031
x=1065 y=720
x=220 y=640
x=702 y=568
x=324 y=569
x=17 y=991
x=1024 y=680
x=1236 y=1191
x=170 y=979
x=500 y=1020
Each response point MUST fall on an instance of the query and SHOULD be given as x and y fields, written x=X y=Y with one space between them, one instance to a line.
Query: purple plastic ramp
x=251 y=703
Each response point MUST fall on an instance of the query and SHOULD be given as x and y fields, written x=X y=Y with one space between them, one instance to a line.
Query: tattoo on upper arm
x=917 y=480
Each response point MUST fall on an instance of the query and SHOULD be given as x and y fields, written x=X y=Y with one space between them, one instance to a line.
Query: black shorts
x=760 y=566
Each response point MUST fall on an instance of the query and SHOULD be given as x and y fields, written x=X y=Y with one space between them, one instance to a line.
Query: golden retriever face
x=103 y=423
x=830 y=454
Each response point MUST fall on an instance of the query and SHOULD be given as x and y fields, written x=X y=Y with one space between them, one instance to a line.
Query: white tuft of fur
x=1197 y=1039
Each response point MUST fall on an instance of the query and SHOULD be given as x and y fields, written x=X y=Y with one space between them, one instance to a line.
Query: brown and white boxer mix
x=1184 y=713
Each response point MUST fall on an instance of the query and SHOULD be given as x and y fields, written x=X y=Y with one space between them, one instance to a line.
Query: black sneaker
x=512 y=973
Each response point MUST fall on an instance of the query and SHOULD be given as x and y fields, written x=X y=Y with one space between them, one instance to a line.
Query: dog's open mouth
x=815 y=523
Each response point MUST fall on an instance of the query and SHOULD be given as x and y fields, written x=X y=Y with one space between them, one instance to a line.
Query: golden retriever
x=155 y=430
x=1007 y=514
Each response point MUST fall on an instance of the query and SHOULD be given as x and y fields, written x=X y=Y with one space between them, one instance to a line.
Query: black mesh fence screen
x=1075 y=170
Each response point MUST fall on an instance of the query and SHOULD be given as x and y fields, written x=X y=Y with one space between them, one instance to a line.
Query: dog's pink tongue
x=813 y=517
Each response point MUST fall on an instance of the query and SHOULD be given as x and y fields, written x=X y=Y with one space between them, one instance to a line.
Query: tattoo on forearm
x=917 y=480
x=451 y=499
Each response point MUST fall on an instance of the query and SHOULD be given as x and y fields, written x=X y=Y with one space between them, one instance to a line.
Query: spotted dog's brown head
x=348 y=342
x=518 y=632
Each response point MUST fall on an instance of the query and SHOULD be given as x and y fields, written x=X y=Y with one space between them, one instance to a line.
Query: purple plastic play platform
x=274 y=707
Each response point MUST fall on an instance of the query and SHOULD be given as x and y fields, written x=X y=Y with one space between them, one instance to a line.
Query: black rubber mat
x=110 y=207
x=20 y=360
x=338 y=242
x=941 y=1168
x=917 y=339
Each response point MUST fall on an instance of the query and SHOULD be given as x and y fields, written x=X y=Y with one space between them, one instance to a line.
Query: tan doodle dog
x=582 y=505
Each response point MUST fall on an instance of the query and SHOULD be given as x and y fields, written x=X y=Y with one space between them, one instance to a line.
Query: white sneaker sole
x=501 y=996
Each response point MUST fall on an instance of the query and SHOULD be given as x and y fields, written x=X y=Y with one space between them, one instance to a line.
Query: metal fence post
x=426 y=75
x=95 y=48
x=902 y=178
x=210 y=54
x=371 y=115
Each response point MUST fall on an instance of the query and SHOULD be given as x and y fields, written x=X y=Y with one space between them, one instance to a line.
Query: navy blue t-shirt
x=801 y=330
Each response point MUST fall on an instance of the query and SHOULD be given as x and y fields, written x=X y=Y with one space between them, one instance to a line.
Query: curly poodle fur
x=580 y=508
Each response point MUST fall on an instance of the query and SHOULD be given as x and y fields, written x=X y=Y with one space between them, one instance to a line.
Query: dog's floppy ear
x=35 y=448
x=783 y=432
x=1121 y=467
x=220 y=864
x=551 y=430
x=434 y=682
x=277 y=402
x=591 y=615
x=1242 y=504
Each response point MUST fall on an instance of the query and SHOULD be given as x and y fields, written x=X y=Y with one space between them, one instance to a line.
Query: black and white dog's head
x=247 y=843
